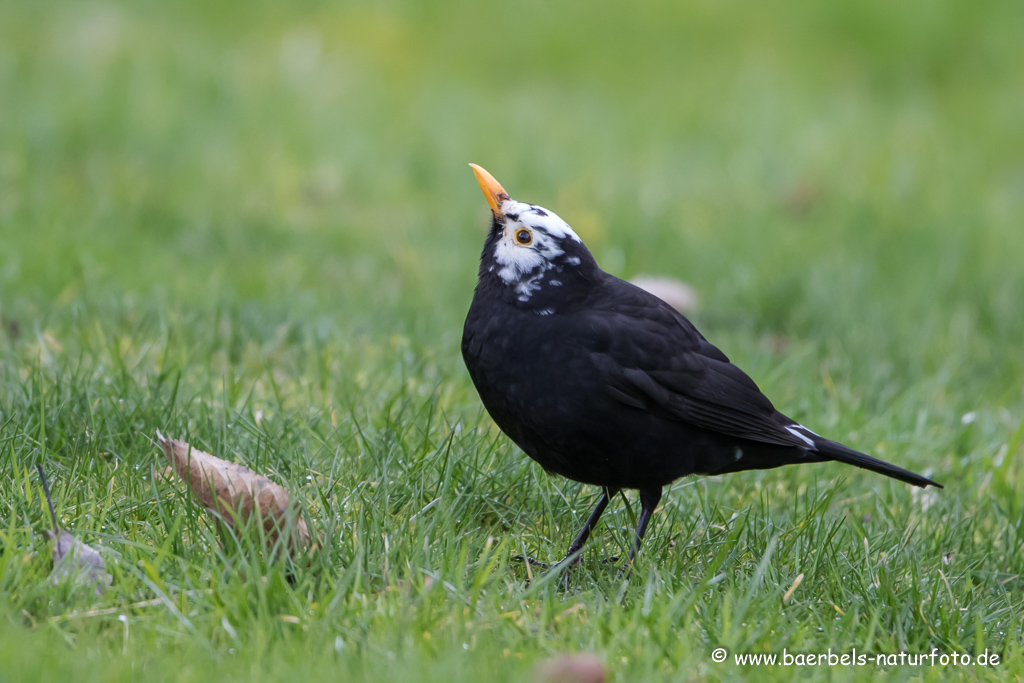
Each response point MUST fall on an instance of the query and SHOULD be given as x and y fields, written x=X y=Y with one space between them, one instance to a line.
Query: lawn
x=251 y=225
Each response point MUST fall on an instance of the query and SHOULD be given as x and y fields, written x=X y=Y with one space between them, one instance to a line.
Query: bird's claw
x=526 y=559
x=572 y=560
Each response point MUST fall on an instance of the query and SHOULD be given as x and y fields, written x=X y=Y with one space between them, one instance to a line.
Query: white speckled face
x=529 y=245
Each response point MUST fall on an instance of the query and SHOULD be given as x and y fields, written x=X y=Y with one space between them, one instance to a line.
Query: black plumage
x=604 y=383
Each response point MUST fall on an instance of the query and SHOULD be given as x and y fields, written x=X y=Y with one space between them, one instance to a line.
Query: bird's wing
x=654 y=359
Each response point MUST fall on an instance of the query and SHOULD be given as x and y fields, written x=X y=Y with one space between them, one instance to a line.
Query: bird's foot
x=526 y=559
x=625 y=571
x=572 y=561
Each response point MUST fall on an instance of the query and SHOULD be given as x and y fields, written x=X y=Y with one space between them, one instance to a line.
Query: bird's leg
x=572 y=555
x=584 y=534
x=649 y=500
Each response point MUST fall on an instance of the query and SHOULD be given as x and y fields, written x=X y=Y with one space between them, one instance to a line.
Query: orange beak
x=493 y=190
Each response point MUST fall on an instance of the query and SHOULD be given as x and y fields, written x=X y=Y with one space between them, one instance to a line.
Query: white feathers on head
x=525 y=265
x=537 y=218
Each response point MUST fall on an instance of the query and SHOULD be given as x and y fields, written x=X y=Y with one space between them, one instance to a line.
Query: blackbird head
x=531 y=254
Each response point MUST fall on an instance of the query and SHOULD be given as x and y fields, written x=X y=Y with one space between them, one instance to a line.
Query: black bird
x=601 y=382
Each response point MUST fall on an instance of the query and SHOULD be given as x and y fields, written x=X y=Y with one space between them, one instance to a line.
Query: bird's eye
x=524 y=237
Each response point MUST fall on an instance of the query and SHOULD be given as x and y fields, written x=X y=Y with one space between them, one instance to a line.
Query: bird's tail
x=840 y=453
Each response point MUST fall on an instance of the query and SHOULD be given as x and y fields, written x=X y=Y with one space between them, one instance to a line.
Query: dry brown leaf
x=583 y=668
x=164 y=475
x=235 y=492
x=675 y=293
x=72 y=559
x=75 y=560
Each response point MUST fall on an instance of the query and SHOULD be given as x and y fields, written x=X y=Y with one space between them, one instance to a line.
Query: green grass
x=251 y=225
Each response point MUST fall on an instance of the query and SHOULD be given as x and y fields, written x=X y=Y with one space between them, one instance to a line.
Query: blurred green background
x=848 y=171
x=269 y=204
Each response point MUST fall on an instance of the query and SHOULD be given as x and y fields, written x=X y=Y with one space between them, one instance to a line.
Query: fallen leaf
x=802 y=197
x=234 y=492
x=72 y=559
x=585 y=668
x=75 y=560
x=776 y=343
x=675 y=293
